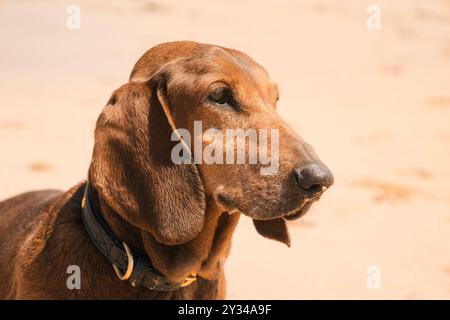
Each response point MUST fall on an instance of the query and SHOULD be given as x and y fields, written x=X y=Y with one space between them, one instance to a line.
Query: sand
x=375 y=104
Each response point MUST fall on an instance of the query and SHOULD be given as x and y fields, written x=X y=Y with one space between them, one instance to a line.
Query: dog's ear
x=275 y=229
x=132 y=167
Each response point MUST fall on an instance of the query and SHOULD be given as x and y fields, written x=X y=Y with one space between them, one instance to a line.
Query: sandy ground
x=375 y=104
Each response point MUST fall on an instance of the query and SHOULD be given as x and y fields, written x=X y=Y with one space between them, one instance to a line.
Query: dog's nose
x=314 y=178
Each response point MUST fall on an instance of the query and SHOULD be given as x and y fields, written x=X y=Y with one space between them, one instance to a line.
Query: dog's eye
x=222 y=96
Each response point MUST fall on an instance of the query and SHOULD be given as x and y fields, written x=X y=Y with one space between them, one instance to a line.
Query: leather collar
x=135 y=268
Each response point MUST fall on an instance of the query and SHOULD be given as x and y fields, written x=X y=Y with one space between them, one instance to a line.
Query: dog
x=142 y=226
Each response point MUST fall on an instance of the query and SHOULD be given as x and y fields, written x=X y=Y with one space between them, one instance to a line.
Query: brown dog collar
x=132 y=267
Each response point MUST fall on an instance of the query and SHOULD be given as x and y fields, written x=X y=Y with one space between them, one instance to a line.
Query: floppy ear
x=275 y=229
x=132 y=167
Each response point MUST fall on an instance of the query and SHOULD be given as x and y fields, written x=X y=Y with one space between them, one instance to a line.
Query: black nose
x=314 y=177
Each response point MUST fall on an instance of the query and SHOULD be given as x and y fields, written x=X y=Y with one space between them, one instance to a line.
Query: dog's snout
x=314 y=177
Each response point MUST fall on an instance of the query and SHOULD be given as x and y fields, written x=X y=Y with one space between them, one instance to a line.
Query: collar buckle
x=189 y=280
x=130 y=266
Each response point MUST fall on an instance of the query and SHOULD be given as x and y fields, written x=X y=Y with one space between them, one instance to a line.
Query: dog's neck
x=203 y=255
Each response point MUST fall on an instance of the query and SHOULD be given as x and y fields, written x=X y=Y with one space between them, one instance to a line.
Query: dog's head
x=200 y=120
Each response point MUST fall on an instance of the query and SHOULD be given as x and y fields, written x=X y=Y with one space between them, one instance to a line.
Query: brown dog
x=180 y=217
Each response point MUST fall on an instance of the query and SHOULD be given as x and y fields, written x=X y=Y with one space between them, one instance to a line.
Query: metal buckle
x=130 y=266
x=189 y=280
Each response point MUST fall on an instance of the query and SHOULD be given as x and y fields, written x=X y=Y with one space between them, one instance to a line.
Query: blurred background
x=374 y=103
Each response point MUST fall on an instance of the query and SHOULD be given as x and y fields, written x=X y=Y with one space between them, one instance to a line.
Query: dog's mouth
x=297 y=214
x=230 y=205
